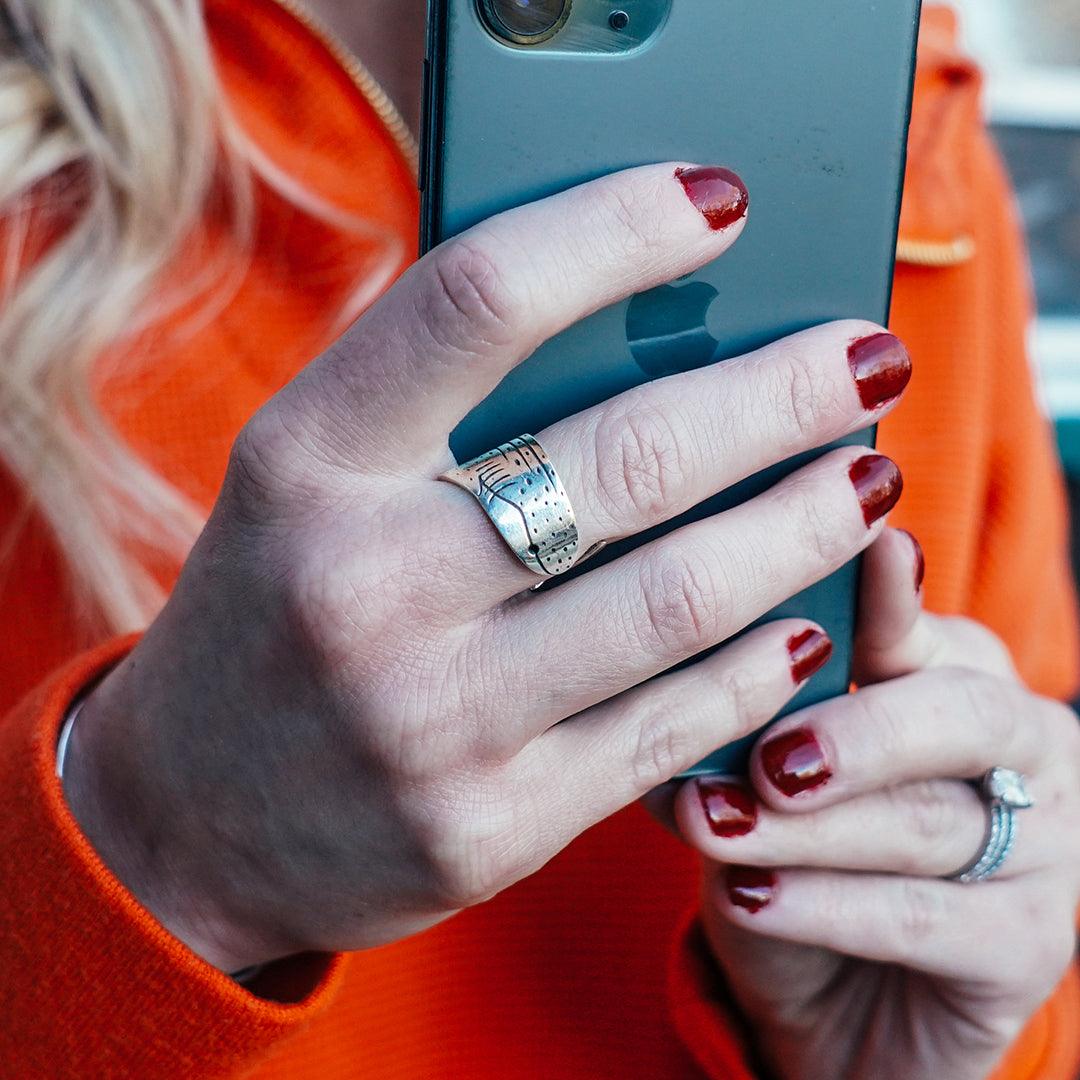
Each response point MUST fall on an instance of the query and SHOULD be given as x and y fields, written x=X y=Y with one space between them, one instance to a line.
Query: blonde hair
x=113 y=136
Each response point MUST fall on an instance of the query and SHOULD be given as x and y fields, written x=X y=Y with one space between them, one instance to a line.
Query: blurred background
x=1030 y=50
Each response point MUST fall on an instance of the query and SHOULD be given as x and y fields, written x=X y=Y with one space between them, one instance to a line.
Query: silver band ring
x=522 y=494
x=1005 y=793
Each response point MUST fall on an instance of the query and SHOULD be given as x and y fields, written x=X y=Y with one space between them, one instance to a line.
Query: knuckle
x=639 y=462
x=468 y=299
x=1050 y=941
x=274 y=463
x=454 y=884
x=924 y=912
x=989 y=699
x=1059 y=952
x=813 y=530
x=467 y=843
x=932 y=815
x=1064 y=728
x=800 y=391
x=994 y=654
x=876 y=713
x=739 y=689
x=662 y=747
x=308 y=614
x=636 y=227
x=1053 y=952
x=253 y=468
x=682 y=606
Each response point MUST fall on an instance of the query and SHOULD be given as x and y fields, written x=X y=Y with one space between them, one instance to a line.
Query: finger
x=942 y=928
x=896 y=637
x=890 y=603
x=928 y=829
x=615 y=752
x=943 y=723
x=672 y=599
x=768 y=977
x=655 y=451
x=440 y=341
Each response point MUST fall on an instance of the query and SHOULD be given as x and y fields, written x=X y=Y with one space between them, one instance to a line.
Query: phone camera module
x=525 y=22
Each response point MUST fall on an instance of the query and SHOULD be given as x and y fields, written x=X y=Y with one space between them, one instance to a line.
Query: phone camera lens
x=525 y=22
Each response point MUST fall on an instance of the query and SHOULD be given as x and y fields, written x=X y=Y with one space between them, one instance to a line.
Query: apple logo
x=666 y=328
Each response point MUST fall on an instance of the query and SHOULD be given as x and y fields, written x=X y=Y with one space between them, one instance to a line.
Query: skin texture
x=333 y=736
x=861 y=958
x=318 y=643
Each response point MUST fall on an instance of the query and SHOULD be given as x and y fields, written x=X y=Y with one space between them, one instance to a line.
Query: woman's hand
x=346 y=724
x=825 y=903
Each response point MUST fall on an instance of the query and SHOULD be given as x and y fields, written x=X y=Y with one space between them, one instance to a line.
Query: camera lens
x=525 y=22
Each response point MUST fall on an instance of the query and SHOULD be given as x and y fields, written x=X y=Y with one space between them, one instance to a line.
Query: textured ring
x=1005 y=793
x=522 y=494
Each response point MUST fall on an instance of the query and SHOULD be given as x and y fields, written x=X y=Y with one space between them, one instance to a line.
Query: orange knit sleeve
x=90 y=984
x=702 y=1010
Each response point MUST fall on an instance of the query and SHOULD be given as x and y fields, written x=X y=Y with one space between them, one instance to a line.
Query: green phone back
x=807 y=101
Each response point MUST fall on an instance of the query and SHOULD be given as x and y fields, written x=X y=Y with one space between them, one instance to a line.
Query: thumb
x=895 y=636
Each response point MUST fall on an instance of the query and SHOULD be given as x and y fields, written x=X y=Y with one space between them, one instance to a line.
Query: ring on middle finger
x=522 y=494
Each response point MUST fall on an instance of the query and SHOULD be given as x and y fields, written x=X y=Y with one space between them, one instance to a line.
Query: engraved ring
x=1005 y=792
x=522 y=494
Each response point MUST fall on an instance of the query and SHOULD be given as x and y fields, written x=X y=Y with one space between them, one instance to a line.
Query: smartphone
x=808 y=101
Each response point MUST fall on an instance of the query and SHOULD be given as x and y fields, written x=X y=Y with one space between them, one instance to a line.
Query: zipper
x=365 y=82
x=936 y=253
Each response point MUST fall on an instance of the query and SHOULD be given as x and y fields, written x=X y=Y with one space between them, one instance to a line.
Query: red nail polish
x=810 y=652
x=730 y=808
x=878 y=484
x=795 y=763
x=881 y=368
x=750 y=887
x=718 y=193
x=920 y=560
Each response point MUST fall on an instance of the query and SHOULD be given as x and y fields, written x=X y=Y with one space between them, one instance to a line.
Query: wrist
x=110 y=791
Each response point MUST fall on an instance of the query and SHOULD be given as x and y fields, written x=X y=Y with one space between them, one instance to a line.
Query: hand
x=346 y=724
x=840 y=941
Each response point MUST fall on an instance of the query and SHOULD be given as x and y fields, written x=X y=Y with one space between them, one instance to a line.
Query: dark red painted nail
x=795 y=762
x=920 y=560
x=878 y=484
x=750 y=887
x=729 y=806
x=718 y=193
x=881 y=368
x=810 y=652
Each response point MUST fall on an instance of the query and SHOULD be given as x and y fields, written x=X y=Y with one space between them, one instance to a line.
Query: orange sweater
x=586 y=969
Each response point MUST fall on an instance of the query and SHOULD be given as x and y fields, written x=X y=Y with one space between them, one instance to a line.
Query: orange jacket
x=587 y=968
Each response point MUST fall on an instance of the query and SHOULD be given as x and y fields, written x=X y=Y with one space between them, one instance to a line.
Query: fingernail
x=920 y=560
x=795 y=762
x=878 y=484
x=810 y=652
x=718 y=193
x=881 y=368
x=730 y=808
x=750 y=887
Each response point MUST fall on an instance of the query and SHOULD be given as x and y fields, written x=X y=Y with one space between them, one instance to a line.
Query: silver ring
x=522 y=494
x=1005 y=792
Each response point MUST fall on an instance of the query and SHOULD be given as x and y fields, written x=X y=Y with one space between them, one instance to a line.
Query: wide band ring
x=522 y=494
x=1005 y=793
